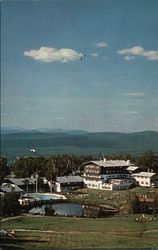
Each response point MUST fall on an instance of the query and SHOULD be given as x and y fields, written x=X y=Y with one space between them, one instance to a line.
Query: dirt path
x=11 y=218
x=22 y=215
x=81 y=232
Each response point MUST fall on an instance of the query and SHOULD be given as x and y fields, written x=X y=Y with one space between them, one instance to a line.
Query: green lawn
x=81 y=233
x=114 y=232
x=119 y=199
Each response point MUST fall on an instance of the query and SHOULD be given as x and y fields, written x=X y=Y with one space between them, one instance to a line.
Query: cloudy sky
x=88 y=64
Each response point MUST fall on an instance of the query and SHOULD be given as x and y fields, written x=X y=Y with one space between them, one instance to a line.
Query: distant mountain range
x=18 y=142
x=11 y=130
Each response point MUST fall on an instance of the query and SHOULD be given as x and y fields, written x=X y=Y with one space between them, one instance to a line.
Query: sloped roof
x=9 y=188
x=144 y=174
x=69 y=179
x=21 y=181
x=109 y=163
x=132 y=168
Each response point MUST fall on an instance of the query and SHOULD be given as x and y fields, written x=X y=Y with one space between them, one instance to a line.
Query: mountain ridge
x=48 y=143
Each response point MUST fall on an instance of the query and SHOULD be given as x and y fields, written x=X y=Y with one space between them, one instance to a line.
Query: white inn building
x=116 y=175
x=107 y=174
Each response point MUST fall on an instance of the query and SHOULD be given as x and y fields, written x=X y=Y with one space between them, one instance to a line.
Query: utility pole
x=36 y=183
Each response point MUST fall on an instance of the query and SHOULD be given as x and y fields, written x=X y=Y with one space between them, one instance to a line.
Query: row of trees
x=60 y=165
x=50 y=167
x=147 y=162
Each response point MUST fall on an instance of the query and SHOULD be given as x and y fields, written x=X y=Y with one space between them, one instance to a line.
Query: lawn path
x=11 y=218
x=81 y=232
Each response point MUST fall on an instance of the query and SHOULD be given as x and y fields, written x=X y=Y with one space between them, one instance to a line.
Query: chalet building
x=107 y=174
x=145 y=179
x=9 y=188
x=145 y=204
x=68 y=183
x=27 y=184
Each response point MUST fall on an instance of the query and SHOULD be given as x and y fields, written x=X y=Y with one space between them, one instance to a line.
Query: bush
x=10 y=205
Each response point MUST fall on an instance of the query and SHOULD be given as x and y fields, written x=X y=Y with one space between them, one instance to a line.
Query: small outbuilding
x=8 y=188
x=68 y=183
x=145 y=179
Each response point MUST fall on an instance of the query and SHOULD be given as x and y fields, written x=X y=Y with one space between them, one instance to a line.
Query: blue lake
x=74 y=209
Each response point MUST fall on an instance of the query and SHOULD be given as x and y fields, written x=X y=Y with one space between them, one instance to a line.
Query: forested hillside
x=51 y=143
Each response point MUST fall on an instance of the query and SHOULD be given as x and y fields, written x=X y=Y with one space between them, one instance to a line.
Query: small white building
x=145 y=179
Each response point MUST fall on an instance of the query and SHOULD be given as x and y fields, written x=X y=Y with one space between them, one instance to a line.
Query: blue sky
x=89 y=65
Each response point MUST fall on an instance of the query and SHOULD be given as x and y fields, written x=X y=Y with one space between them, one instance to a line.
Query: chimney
x=128 y=162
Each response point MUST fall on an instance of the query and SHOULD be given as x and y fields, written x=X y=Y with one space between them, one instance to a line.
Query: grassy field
x=80 y=233
x=119 y=199
x=53 y=232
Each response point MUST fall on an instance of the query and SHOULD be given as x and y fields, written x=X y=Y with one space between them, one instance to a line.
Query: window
x=142 y=182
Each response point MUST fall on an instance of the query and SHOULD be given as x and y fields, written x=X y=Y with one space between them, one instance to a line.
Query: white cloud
x=151 y=55
x=59 y=118
x=101 y=44
x=128 y=58
x=131 y=113
x=134 y=94
x=137 y=50
x=27 y=108
x=47 y=54
x=131 y=53
x=94 y=55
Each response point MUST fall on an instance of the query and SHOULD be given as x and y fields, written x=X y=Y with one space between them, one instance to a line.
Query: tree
x=4 y=169
x=148 y=161
x=49 y=211
x=134 y=203
x=39 y=183
x=155 y=204
x=26 y=183
x=23 y=167
x=9 y=204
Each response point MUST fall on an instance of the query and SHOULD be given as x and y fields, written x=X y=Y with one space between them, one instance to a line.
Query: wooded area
x=61 y=165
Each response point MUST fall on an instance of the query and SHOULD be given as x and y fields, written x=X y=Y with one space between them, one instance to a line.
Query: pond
x=75 y=210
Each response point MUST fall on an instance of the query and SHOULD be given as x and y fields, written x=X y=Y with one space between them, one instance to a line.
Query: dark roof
x=68 y=179
x=21 y=181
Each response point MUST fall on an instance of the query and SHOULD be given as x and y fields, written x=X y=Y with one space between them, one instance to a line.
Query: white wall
x=93 y=184
x=143 y=181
